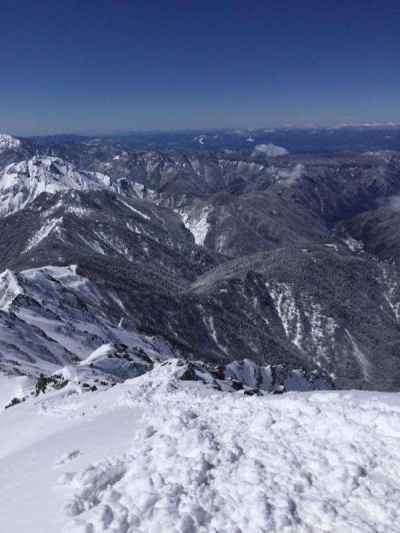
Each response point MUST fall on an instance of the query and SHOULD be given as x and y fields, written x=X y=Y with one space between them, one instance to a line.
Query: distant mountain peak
x=269 y=150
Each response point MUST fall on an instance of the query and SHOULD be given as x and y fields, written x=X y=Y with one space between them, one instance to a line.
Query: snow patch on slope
x=362 y=359
x=43 y=233
x=134 y=210
x=304 y=322
x=392 y=292
x=288 y=312
x=291 y=176
x=9 y=289
x=197 y=223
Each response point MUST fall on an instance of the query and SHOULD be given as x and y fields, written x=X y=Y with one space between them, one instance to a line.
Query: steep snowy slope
x=155 y=454
x=51 y=317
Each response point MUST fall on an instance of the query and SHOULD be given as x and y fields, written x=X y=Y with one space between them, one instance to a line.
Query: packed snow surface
x=158 y=455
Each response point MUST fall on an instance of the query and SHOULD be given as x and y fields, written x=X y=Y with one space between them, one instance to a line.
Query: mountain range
x=287 y=260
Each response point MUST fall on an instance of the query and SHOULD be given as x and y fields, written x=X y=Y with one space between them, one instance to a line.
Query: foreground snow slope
x=157 y=455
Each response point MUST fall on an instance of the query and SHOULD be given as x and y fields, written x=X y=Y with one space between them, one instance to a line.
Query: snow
x=210 y=324
x=384 y=155
x=363 y=362
x=7 y=142
x=197 y=223
x=9 y=289
x=43 y=233
x=250 y=374
x=288 y=311
x=33 y=459
x=354 y=245
x=136 y=211
x=391 y=292
x=322 y=331
x=22 y=182
x=333 y=246
x=155 y=455
x=269 y=150
x=304 y=322
x=291 y=176
x=139 y=189
x=13 y=387
x=50 y=316
x=99 y=353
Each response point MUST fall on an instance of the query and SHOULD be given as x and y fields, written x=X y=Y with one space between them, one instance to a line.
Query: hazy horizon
x=277 y=127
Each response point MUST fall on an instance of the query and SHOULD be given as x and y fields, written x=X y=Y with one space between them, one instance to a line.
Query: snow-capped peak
x=7 y=142
x=269 y=150
x=22 y=182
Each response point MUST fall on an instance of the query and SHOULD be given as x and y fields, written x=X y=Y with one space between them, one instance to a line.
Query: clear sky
x=105 y=65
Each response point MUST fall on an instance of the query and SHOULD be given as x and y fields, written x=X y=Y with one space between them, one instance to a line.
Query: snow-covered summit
x=22 y=182
x=269 y=150
x=151 y=455
x=7 y=142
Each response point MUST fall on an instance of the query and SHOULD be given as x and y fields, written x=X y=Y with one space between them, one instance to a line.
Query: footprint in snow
x=68 y=457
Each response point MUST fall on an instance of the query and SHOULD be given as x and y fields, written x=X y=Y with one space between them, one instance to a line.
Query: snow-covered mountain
x=269 y=150
x=22 y=182
x=55 y=322
x=7 y=142
x=219 y=254
x=52 y=317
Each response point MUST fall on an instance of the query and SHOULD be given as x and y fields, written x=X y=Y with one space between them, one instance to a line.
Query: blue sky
x=105 y=65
